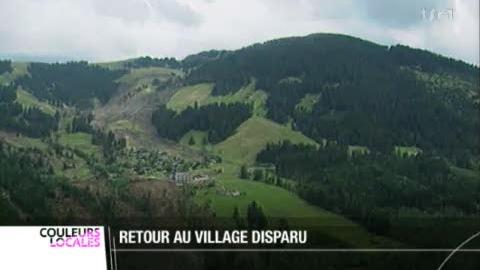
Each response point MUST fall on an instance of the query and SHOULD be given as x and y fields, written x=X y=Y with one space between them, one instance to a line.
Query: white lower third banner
x=53 y=248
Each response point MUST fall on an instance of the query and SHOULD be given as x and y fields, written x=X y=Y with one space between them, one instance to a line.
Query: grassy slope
x=187 y=96
x=81 y=141
x=139 y=76
x=125 y=124
x=407 y=150
x=252 y=136
x=198 y=138
x=307 y=102
x=19 y=69
x=28 y=100
x=357 y=149
x=201 y=93
x=23 y=141
x=247 y=94
x=278 y=202
x=283 y=204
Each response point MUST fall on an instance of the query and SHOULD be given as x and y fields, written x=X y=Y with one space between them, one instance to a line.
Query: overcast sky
x=104 y=30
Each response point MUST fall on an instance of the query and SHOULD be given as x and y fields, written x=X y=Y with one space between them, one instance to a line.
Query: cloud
x=102 y=30
x=144 y=10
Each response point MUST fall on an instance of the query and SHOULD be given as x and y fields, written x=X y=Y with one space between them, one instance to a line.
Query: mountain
x=368 y=94
x=328 y=127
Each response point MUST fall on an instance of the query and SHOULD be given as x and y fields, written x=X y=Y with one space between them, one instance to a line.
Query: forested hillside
x=365 y=94
x=396 y=128
x=30 y=121
x=147 y=61
x=5 y=66
x=374 y=188
x=75 y=83
x=218 y=120
x=27 y=179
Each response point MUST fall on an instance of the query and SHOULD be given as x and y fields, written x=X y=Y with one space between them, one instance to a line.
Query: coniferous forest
x=29 y=121
x=368 y=94
x=24 y=173
x=5 y=66
x=143 y=62
x=371 y=187
x=74 y=83
x=218 y=120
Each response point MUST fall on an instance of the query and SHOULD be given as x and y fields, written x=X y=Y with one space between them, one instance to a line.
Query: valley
x=305 y=129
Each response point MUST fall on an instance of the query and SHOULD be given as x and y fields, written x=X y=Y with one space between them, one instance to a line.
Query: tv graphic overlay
x=253 y=134
x=184 y=246
x=58 y=247
x=73 y=247
x=72 y=237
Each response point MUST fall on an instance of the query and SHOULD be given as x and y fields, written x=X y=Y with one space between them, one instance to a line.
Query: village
x=197 y=180
x=200 y=181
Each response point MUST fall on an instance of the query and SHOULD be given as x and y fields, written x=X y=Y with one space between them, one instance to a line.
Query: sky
x=107 y=30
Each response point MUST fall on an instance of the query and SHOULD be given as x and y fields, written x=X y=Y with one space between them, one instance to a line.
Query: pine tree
x=236 y=217
x=191 y=141
x=255 y=217
x=244 y=172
